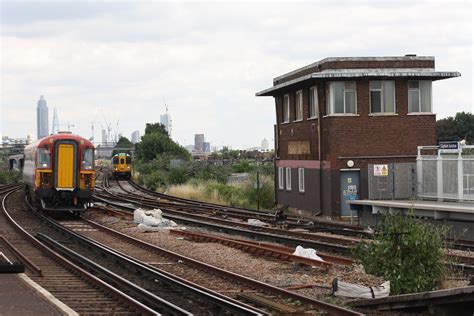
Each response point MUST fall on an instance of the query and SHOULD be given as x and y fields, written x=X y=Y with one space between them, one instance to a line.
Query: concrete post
x=460 y=177
x=419 y=173
x=439 y=175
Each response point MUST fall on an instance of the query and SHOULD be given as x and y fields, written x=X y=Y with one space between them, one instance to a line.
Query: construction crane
x=69 y=125
x=93 y=126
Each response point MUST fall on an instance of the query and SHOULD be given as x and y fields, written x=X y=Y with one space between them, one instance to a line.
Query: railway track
x=294 y=238
x=315 y=225
x=324 y=243
x=72 y=285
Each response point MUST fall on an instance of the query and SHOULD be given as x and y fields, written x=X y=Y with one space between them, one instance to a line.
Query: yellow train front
x=122 y=165
x=59 y=172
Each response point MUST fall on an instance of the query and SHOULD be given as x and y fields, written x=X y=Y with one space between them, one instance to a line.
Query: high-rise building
x=42 y=118
x=104 y=137
x=199 y=143
x=206 y=147
x=55 y=127
x=165 y=119
x=135 y=137
x=265 y=144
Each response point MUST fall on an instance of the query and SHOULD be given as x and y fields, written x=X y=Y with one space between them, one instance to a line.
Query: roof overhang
x=341 y=74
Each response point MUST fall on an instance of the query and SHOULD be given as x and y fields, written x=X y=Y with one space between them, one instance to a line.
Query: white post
x=419 y=173
x=439 y=175
x=460 y=176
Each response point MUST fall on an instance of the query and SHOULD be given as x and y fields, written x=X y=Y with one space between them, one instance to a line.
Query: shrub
x=406 y=251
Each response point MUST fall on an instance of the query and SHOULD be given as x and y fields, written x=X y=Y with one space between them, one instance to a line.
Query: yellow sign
x=381 y=170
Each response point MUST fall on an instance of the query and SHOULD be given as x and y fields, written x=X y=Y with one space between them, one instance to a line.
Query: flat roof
x=429 y=73
x=335 y=59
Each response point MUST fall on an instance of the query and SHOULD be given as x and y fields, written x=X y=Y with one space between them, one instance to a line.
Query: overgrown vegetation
x=7 y=176
x=161 y=164
x=406 y=251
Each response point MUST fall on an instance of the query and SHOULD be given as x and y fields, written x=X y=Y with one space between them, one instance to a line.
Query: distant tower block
x=42 y=124
x=199 y=143
x=165 y=120
x=135 y=137
x=55 y=128
x=265 y=144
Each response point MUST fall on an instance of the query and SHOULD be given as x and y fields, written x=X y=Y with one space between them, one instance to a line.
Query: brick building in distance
x=338 y=115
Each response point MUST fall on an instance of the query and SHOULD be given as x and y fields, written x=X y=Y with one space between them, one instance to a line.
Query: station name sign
x=448 y=145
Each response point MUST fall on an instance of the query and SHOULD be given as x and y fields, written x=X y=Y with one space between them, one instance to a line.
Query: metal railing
x=446 y=174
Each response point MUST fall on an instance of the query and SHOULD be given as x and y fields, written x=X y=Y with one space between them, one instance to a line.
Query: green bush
x=406 y=251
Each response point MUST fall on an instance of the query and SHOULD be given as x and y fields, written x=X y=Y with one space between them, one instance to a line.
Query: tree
x=406 y=251
x=456 y=128
x=155 y=128
x=124 y=142
x=157 y=142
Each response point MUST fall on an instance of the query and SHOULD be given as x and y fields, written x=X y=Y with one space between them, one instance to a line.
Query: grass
x=196 y=191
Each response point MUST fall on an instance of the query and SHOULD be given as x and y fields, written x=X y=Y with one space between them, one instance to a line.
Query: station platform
x=458 y=215
x=19 y=295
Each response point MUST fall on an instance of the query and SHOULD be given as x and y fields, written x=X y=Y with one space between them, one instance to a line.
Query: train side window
x=88 y=159
x=43 y=158
x=128 y=160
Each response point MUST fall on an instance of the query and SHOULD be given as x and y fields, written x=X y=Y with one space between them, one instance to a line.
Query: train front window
x=115 y=160
x=88 y=159
x=43 y=158
x=128 y=160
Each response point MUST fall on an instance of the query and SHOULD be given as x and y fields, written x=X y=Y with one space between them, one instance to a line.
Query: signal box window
x=288 y=179
x=299 y=105
x=301 y=179
x=342 y=97
x=419 y=96
x=280 y=178
x=88 y=159
x=43 y=158
x=382 y=96
x=286 y=108
x=313 y=102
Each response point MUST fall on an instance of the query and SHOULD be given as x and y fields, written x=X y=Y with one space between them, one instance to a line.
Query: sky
x=206 y=60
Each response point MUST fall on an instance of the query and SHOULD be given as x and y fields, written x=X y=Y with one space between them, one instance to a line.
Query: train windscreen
x=88 y=159
x=43 y=158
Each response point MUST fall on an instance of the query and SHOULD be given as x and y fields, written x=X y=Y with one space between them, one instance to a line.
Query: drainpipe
x=319 y=157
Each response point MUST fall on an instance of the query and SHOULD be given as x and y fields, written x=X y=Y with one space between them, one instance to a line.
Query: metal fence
x=446 y=174
x=393 y=181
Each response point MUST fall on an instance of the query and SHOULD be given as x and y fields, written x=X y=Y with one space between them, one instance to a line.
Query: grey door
x=349 y=190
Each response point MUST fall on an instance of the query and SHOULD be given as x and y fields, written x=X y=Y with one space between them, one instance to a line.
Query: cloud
x=207 y=59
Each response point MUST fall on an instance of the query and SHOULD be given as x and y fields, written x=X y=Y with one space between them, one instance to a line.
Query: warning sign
x=381 y=170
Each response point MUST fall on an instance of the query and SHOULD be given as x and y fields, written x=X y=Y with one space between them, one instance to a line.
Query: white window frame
x=301 y=180
x=313 y=102
x=288 y=178
x=281 y=184
x=286 y=109
x=382 y=97
x=420 y=101
x=298 y=106
x=331 y=100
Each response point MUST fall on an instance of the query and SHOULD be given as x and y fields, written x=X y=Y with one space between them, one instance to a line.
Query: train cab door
x=122 y=164
x=65 y=166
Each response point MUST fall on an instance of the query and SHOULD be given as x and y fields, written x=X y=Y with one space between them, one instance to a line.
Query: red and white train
x=59 y=172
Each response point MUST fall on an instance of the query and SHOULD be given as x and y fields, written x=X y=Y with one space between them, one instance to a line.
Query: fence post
x=419 y=172
x=460 y=177
x=439 y=175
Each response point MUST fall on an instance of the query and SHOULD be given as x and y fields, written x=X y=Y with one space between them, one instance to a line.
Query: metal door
x=349 y=189
x=65 y=166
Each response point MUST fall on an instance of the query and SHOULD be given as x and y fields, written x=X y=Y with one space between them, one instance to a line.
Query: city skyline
x=123 y=59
